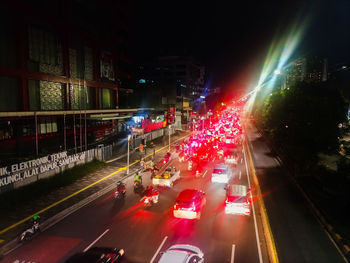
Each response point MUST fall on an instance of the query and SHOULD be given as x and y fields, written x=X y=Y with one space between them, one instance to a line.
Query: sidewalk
x=57 y=201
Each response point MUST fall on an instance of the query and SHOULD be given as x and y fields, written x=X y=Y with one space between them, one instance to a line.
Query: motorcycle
x=150 y=197
x=30 y=232
x=120 y=192
x=150 y=200
x=138 y=187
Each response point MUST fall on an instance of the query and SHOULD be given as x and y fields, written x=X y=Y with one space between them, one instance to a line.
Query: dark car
x=98 y=255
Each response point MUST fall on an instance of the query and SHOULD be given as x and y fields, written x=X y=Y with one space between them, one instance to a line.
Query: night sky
x=232 y=39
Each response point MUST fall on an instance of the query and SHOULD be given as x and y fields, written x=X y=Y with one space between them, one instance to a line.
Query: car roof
x=236 y=190
x=188 y=194
x=220 y=166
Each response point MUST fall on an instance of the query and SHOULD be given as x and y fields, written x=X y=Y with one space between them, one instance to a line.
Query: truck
x=167 y=178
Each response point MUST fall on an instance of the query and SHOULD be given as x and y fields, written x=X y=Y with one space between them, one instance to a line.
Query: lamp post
x=127 y=167
x=169 y=136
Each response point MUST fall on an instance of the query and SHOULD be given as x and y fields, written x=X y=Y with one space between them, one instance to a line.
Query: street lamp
x=169 y=137
x=127 y=167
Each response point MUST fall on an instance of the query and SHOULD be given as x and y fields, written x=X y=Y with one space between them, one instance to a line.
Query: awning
x=106 y=117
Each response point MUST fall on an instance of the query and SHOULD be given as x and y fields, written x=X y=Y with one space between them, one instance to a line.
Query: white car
x=182 y=254
x=221 y=174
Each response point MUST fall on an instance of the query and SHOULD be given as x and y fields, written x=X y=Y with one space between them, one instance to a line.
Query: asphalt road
x=223 y=238
x=297 y=234
x=144 y=232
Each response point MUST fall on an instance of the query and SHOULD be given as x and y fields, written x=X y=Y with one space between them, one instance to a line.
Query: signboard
x=171 y=115
x=106 y=65
x=186 y=104
x=21 y=171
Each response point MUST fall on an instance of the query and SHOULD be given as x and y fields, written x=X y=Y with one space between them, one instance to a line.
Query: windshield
x=236 y=199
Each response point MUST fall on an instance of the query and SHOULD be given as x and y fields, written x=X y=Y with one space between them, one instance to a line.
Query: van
x=237 y=200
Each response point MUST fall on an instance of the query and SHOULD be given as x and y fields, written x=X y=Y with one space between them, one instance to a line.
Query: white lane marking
x=160 y=247
x=214 y=158
x=233 y=253
x=241 y=160
x=251 y=197
x=93 y=243
x=205 y=173
x=240 y=175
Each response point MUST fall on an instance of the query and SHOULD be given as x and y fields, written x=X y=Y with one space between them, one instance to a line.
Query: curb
x=271 y=245
x=336 y=238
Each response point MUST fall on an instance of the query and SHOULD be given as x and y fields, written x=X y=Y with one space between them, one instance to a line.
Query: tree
x=303 y=120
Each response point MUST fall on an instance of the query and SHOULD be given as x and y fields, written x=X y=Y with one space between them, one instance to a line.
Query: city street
x=143 y=233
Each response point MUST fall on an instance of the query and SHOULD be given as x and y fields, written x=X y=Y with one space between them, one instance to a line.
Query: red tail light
x=116 y=192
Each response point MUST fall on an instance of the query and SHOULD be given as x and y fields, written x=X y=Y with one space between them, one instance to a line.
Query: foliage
x=303 y=120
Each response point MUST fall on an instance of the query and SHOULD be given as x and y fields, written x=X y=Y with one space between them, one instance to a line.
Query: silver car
x=182 y=254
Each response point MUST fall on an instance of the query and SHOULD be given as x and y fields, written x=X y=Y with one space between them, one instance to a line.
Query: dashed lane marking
x=97 y=239
x=233 y=253
x=205 y=173
x=79 y=191
x=159 y=248
x=240 y=175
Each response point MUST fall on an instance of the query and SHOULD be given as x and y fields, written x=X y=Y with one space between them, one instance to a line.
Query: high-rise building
x=311 y=69
x=62 y=71
x=170 y=80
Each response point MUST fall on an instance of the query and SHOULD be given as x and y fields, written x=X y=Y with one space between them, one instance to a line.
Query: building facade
x=60 y=76
x=311 y=69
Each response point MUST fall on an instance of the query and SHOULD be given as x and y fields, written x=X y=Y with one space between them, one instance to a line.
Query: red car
x=189 y=204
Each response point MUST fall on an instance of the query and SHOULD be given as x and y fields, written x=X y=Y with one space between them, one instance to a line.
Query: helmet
x=35 y=217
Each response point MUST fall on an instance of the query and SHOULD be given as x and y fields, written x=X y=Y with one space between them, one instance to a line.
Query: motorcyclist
x=142 y=164
x=153 y=193
x=35 y=219
x=138 y=178
x=121 y=187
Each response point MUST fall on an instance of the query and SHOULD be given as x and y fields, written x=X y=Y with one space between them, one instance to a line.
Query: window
x=8 y=94
x=106 y=98
x=81 y=97
x=48 y=125
x=7 y=41
x=80 y=59
x=45 y=51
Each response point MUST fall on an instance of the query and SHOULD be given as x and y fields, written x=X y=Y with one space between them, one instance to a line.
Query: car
x=182 y=253
x=189 y=204
x=231 y=157
x=222 y=173
x=98 y=255
x=237 y=200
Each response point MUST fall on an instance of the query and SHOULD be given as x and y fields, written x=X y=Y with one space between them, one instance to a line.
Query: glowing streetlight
x=277 y=72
